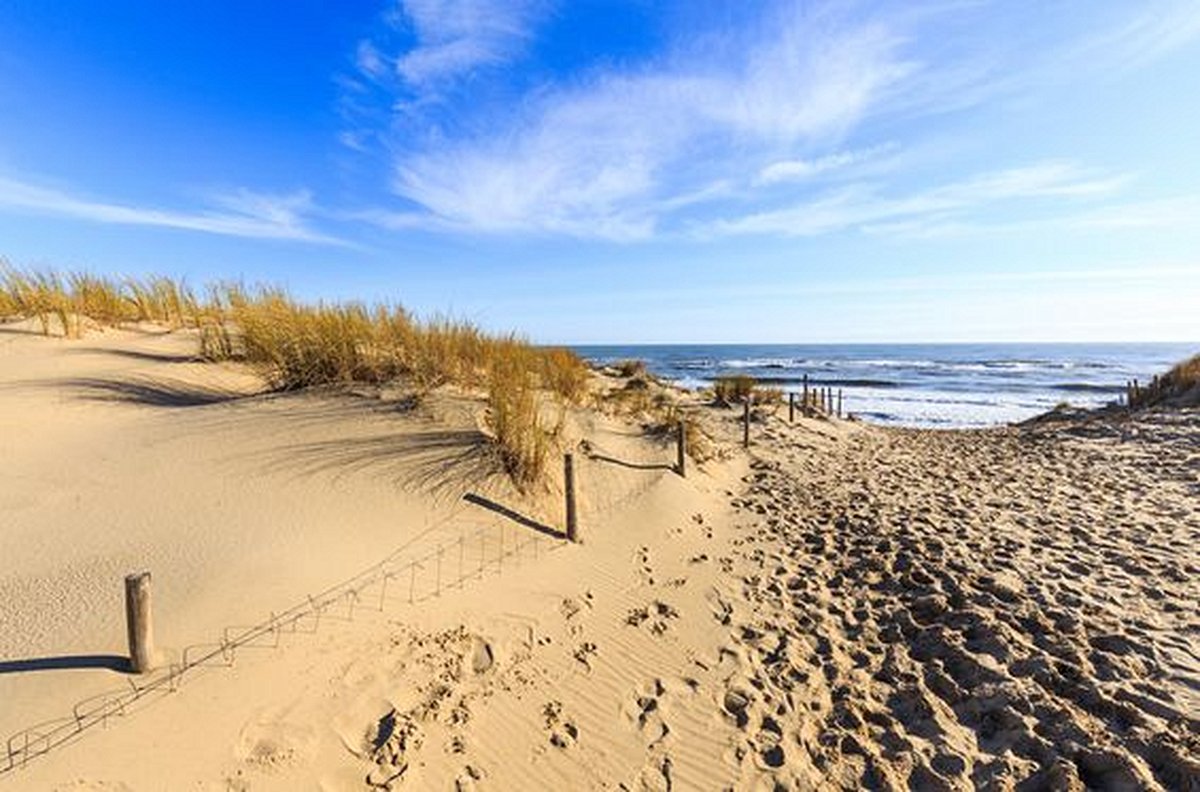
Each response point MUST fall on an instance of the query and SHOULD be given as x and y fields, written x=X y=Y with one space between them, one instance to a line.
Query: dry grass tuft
x=520 y=440
x=1178 y=387
x=630 y=368
x=733 y=389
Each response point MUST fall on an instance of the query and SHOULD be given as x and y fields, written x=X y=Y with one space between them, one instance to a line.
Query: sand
x=843 y=606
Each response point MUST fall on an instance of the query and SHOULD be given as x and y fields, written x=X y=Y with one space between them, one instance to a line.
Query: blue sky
x=624 y=171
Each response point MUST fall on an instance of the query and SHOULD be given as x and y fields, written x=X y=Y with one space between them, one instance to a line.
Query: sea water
x=930 y=385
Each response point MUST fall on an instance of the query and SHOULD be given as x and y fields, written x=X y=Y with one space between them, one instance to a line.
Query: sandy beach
x=840 y=606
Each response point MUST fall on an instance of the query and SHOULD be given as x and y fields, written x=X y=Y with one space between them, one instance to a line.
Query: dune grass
x=733 y=389
x=63 y=303
x=1179 y=386
x=297 y=345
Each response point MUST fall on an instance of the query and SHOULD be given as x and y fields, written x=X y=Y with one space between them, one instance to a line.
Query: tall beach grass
x=297 y=345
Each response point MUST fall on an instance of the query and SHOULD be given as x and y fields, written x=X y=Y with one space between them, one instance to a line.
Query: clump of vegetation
x=1178 y=387
x=61 y=303
x=733 y=389
x=630 y=368
x=521 y=441
x=772 y=396
x=565 y=374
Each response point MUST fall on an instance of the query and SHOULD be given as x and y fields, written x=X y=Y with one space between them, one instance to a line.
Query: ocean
x=929 y=385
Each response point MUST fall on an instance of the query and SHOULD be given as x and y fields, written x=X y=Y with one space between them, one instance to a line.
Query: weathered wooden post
x=839 y=409
x=791 y=407
x=806 y=404
x=746 y=420
x=138 y=622
x=569 y=486
x=681 y=449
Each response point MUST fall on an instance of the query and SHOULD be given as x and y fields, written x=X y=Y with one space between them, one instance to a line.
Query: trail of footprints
x=950 y=642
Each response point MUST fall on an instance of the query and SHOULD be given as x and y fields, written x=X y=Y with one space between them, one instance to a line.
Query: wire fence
x=448 y=557
x=465 y=546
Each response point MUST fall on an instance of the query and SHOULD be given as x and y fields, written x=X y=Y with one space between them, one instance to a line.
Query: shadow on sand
x=66 y=663
x=156 y=392
x=433 y=461
x=515 y=516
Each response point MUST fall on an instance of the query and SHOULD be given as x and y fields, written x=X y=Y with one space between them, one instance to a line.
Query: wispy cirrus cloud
x=426 y=44
x=599 y=157
x=868 y=208
x=456 y=36
x=238 y=214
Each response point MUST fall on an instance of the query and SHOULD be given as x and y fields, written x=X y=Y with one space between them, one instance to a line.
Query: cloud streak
x=240 y=214
x=863 y=207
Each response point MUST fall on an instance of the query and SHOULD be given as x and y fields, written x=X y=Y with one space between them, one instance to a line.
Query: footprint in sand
x=656 y=616
x=582 y=654
x=645 y=711
x=388 y=742
x=269 y=746
x=563 y=733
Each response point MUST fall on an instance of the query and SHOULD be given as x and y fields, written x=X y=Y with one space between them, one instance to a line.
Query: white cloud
x=799 y=170
x=939 y=209
x=1156 y=30
x=243 y=213
x=453 y=37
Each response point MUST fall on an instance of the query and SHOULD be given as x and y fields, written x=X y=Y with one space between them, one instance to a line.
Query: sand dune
x=842 y=607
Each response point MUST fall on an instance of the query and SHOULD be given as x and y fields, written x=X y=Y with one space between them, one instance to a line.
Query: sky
x=624 y=171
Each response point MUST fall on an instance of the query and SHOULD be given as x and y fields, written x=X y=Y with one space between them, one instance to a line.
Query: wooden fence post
x=681 y=449
x=791 y=407
x=138 y=622
x=746 y=421
x=839 y=410
x=806 y=404
x=569 y=486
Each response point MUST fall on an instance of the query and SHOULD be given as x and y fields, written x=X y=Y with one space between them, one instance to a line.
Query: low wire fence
x=443 y=562
x=462 y=547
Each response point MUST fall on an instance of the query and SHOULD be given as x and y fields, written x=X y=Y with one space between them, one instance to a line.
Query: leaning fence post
x=569 y=486
x=746 y=420
x=138 y=622
x=681 y=450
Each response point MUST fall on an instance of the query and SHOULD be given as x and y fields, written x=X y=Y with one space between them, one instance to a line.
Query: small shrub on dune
x=1178 y=387
x=733 y=389
x=630 y=368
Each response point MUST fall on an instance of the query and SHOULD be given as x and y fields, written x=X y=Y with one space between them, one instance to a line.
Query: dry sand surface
x=843 y=607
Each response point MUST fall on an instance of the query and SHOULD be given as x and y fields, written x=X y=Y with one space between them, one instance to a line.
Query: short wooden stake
x=139 y=623
x=839 y=409
x=791 y=408
x=746 y=422
x=569 y=486
x=681 y=450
